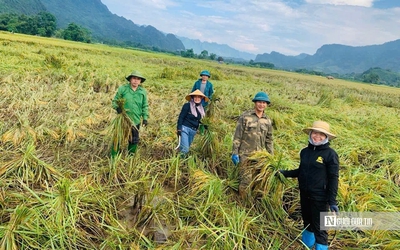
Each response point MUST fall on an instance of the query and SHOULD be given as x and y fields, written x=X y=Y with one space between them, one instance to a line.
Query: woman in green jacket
x=205 y=86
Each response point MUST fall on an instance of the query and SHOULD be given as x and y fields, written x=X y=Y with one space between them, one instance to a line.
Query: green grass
x=60 y=190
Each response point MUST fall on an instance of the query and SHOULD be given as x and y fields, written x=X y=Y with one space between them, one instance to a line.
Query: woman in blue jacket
x=205 y=86
x=189 y=119
x=318 y=175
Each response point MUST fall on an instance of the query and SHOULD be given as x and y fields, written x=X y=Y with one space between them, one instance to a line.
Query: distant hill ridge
x=220 y=49
x=341 y=59
x=27 y=7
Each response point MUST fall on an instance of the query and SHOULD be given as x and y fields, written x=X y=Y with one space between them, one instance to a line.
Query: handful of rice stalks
x=121 y=128
x=269 y=183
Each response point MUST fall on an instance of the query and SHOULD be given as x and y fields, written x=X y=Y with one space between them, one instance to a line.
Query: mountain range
x=220 y=49
x=110 y=28
x=341 y=59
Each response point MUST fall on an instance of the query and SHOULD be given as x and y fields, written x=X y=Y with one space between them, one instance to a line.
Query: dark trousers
x=135 y=135
x=310 y=211
x=132 y=144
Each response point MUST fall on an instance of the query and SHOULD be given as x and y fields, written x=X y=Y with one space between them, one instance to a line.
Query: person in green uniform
x=253 y=133
x=136 y=106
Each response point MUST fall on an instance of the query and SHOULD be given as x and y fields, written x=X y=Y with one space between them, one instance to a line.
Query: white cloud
x=156 y=4
x=364 y=3
x=264 y=26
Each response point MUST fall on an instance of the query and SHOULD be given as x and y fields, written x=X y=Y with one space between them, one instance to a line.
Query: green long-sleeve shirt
x=136 y=103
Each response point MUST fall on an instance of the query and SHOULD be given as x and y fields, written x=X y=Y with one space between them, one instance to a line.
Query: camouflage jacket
x=252 y=134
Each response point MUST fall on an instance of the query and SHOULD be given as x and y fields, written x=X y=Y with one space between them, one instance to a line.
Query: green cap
x=261 y=96
x=137 y=74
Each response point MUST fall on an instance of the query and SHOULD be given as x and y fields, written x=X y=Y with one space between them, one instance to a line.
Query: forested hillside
x=27 y=7
x=95 y=16
x=108 y=27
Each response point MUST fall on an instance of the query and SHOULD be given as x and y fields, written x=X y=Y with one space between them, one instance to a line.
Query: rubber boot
x=308 y=238
x=132 y=148
x=201 y=129
x=321 y=247
x=183 y=156
x=114 y=152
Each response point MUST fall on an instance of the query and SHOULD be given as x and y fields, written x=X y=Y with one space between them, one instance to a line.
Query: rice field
x=59 y=189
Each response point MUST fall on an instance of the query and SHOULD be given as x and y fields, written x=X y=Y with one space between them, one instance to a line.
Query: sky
x=290 y=27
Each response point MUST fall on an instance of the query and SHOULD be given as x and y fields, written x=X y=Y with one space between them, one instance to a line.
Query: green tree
x=188 y=53
x=213 y=56
x=371 y=78
x=77 y=33
x=43 y=24
x=203 y=54
x=6 y=20
x=47 y=23
x=26 y=25
x=262 y=64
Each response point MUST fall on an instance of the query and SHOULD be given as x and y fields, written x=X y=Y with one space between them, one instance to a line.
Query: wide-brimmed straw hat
x=199 y=93
x=322 y=127
x=137 y=74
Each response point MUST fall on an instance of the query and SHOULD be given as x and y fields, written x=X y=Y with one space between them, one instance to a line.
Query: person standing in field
x=205 y=86
x=136 y=106
x=318 y=175
x=189 y=120
x=253 y=133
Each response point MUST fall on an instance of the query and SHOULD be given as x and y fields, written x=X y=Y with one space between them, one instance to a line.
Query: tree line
x=374 y=75
x=43 y=24
x=189 y=53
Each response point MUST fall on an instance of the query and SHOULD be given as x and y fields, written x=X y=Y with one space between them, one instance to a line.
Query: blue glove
x=235 y=159
x=334 y=208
